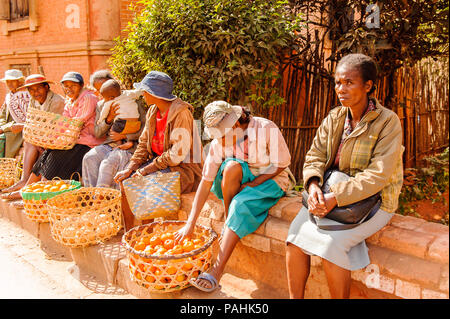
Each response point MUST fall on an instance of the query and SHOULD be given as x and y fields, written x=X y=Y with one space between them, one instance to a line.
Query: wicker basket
x=8 y=172
x=167 y=273
x=35 y=206
x=84 y=217
x=50 y=130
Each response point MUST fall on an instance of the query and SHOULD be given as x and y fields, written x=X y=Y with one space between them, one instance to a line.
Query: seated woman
x=103 y=162
x=364 y=140
x=13 y=114
x=169 y=142
x=247 y=168
x=80 y=104
x=42 y=98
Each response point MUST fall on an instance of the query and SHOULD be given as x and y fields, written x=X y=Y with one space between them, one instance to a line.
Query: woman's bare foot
x=12 y=196
x=17 y=186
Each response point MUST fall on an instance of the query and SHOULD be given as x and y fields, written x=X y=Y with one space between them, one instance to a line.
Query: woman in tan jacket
x=170 y=140
x=364 y=140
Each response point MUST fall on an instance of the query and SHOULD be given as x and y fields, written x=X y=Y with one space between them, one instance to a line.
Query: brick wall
x=59 y=49
x=126 y=14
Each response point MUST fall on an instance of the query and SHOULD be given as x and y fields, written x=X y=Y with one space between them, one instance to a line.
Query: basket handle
x=79 y=176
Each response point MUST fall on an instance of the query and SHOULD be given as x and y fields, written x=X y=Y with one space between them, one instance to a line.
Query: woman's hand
x=316 y=200
x=113 y=111
x=150 y=168
x=122 y=175
x=184 y=232
x=116 y=136
x=17 y=128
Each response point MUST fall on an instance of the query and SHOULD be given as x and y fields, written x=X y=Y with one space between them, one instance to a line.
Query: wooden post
x=4 y=10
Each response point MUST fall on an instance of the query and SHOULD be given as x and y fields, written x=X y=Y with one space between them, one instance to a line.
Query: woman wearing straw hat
x=42 y=98
x=80 y=104
x=13 y=113
x=247 y=168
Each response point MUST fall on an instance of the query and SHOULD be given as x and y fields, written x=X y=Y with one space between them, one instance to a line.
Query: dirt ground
x=435 y=212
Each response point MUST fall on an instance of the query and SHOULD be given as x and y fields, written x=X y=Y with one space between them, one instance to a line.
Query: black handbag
x=349 y=216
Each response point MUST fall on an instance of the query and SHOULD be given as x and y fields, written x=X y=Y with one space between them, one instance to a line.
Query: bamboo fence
x=418 y=94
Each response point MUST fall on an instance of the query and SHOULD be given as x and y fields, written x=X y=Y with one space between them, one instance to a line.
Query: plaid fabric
x=348 y=129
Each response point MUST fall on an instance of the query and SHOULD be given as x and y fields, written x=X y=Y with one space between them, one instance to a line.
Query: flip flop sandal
x=208 y=277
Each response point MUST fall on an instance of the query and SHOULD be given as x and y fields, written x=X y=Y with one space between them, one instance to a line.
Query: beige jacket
x=183 y=151
x=372 y=155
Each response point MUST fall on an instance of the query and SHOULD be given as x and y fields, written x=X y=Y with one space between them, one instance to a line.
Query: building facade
x=53 y=37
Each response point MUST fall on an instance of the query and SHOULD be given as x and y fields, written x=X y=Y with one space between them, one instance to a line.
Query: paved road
x=27 y=272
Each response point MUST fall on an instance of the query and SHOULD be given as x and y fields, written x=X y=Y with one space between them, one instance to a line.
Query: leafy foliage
x=427 y=182
x=213 y=49
x=407 y=32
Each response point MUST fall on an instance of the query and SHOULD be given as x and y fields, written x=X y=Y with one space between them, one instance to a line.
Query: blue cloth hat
x=158 y=84
x=74 y=77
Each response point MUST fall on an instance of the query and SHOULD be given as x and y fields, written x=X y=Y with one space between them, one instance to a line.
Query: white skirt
x=345 y=248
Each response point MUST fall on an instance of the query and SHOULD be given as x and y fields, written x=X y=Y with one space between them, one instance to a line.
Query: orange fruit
x=180 y=278
x=171 y=270
x=139 y=246
x=146 y=240
x=197 y=241
x=177 y=249
x=168 y=244
x=188 y=246
x=54 y=189
x=155 y=240
x=187 y=266
x=150 y=279
x=166 y=236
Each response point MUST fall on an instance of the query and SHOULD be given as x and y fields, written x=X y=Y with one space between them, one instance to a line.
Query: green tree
x=213 y=49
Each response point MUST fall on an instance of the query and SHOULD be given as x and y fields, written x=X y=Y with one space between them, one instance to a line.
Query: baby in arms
x=127 y=118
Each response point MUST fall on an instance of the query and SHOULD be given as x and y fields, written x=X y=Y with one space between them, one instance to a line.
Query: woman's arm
x=386 y=153
x=199 y=201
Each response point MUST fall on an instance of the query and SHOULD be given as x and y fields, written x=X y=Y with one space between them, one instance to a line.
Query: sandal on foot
x=208 y=277
x=12 y=195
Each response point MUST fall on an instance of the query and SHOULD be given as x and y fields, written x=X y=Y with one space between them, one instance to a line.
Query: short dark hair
x=364 y=64
x=100 y=75
x=245 y=116
x=111 y=85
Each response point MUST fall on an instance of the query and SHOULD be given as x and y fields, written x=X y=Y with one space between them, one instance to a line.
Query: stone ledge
x=403 y=272
x=410 y=254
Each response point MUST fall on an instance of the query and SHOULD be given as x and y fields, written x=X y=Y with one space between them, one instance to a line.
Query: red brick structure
x=57 y=36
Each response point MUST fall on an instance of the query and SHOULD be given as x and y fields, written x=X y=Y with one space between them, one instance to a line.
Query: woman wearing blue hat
x=170 y=140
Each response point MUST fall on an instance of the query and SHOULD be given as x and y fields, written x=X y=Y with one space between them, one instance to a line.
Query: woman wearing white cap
x=247 y=168
x=13 y=112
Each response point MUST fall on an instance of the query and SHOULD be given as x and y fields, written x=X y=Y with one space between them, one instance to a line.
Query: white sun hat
x=219 y=117
x=13 y=75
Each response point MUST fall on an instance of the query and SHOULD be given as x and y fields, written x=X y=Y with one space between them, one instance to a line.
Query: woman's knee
x=232 y=172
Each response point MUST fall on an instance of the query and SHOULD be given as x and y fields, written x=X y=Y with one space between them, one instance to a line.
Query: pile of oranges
x=44 y=187
x=164 y=244
x=167 y=274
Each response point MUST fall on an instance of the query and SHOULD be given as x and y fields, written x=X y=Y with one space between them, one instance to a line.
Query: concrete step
x=107 y=263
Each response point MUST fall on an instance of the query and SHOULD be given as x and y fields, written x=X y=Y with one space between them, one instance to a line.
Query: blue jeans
x=101 y=164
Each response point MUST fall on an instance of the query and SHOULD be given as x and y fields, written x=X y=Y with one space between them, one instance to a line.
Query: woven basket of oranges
x=8 y=172
x=157 y=263
x=50 y=130
x=36 y=195
x=86 y=216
